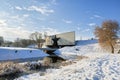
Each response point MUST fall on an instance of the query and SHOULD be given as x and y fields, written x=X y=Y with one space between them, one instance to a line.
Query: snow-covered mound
x=82 y=47
x=10 y=53
x=86 y=42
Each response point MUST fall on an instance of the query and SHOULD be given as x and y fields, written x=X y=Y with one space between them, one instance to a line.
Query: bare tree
x=107 y=34
x=37 y=37
x=22 y=42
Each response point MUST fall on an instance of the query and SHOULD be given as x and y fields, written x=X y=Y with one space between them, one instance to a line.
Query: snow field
x=99 y=65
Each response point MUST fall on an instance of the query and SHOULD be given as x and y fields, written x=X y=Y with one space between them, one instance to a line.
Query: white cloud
x=25 y=15
x=15 y=17
x=53 y=2
x=4 y=14
x=67 y=21
x=41 y=19
x=96 y=16
x=3 y=23
x=18 y=18
x=49 y=31
x=42 y=10
x=18 y=8
x=92 y=24
x=86 y=30
x=11 y=33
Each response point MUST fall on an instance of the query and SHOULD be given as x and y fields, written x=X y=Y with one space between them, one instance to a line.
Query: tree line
x=36 y=38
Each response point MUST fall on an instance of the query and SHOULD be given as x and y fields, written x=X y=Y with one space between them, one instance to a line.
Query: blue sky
x=19 y=18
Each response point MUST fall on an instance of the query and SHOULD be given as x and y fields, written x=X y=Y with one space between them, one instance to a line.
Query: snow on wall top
x=10 y=53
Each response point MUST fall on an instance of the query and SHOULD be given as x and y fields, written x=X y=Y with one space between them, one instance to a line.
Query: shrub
x=7 y=68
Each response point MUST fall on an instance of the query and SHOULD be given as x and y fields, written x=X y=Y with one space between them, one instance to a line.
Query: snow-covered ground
x=10 y=53
x=99 y=65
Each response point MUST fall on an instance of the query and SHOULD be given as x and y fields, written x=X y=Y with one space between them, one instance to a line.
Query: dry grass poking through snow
x=7 y=68
x=81 y=57
x=66 y=63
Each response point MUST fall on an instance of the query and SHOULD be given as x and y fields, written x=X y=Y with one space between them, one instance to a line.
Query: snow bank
x=86 y=42
x=83 y=47
x=98 y=66
x=10 y=53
